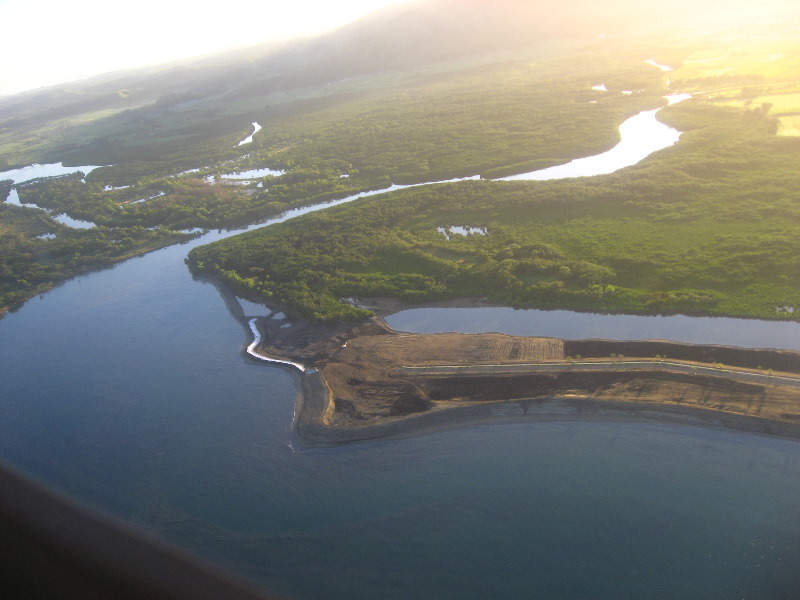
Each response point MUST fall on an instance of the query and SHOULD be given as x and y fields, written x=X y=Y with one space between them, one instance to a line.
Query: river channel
x=129 y=389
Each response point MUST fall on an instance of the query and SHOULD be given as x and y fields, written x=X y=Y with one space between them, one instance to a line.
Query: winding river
x=640 y=136
x=124 y=389
x=249 y=138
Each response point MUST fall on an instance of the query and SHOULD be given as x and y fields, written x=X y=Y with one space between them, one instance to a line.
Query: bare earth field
x=368 y=381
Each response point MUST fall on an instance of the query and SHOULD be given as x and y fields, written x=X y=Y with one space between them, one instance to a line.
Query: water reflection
x=36 y=171
x=640 y=136
x=746 y=333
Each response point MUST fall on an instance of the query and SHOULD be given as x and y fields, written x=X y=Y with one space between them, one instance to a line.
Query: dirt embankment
x=777 y=360
x=369 y=381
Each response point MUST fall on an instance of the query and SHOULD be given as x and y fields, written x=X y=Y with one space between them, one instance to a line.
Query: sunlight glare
x=47 y=41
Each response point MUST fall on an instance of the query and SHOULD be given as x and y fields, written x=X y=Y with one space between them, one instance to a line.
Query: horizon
x=171 y=30
x=174 y=31
x=207 y=265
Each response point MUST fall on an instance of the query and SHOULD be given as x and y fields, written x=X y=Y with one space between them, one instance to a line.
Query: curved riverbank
x=252 y=349
x=640 y=136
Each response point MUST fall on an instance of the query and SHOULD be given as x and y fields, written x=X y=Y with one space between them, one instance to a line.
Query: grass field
x=775 y=61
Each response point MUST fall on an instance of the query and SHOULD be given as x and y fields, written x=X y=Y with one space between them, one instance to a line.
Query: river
x=640 y=136
x=36 y=171
x=129 y=389
x=746 y=333
x=249 y=138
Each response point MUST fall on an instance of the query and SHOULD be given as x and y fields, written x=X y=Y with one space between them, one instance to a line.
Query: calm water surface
x=249 y=138
x=252 y=174
x=128 y=389
x=13 y=198
x=35 y=171
x=640 y=136
x=747 y=333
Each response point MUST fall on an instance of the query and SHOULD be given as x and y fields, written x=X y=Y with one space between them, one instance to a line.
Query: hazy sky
x=44 y=42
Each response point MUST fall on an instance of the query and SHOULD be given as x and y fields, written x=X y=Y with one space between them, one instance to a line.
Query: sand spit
x=367 y=381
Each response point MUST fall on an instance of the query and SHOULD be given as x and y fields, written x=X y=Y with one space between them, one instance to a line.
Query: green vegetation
x=709 y=226
x=753 y=73
x=495 y=119
x=31 y=264
x=483 y=119
x=522 y=111
x=706 y=228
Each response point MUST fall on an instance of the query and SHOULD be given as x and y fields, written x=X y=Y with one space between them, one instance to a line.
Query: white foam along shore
x=626 y=129
x=251 y=350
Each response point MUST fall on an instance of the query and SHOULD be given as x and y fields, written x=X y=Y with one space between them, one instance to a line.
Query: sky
x=46 y=42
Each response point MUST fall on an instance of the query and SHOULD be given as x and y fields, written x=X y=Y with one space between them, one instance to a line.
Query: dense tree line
x=496 y=120
x=36 y=252
x=708 y=226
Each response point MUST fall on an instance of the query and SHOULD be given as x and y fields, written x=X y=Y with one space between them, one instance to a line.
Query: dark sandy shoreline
x=313 y=403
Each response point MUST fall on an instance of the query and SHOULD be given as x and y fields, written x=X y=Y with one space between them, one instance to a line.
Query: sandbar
x=367 y=381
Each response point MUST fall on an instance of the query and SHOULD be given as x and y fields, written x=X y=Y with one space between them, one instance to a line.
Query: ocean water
x=128 y=389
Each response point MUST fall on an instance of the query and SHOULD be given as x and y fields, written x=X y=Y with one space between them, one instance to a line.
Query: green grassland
x=747 y=73
x=484 y=119
x=790 y=125
x=708 y=226
x=421 y=127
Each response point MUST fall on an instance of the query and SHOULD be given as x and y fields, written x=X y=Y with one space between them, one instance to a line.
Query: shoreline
x=313 y=405
x=253 y=347
x=385 y=306
x=322 y=417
